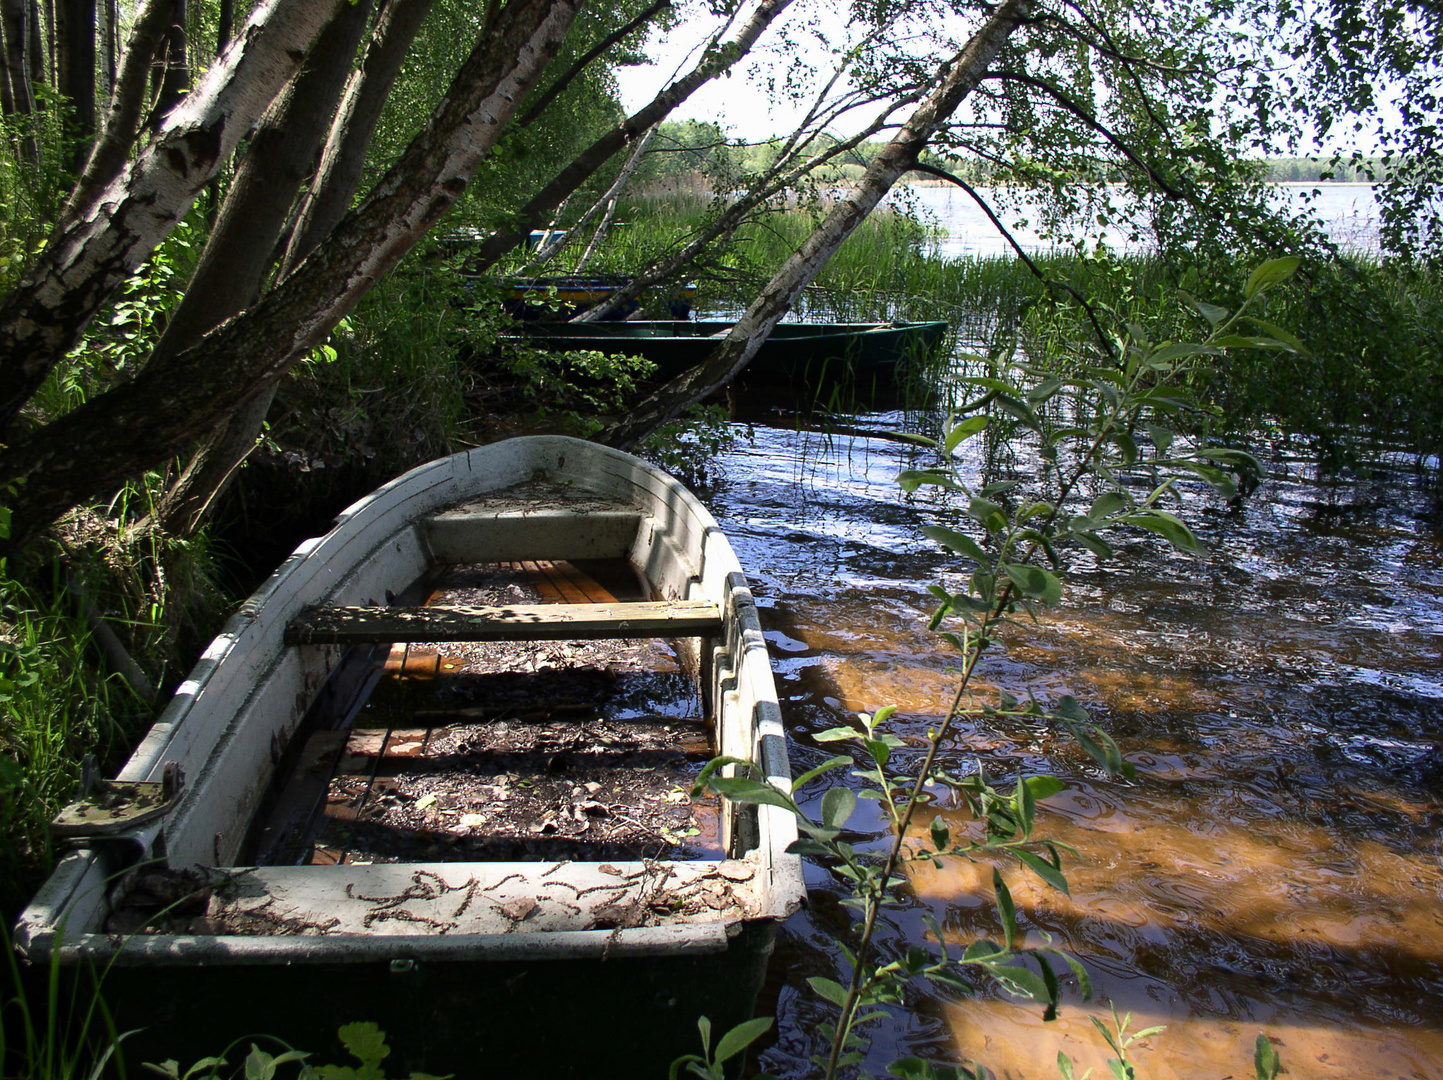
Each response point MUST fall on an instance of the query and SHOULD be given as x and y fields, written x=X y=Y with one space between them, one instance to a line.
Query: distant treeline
x=1309 y=170
x=696 y=155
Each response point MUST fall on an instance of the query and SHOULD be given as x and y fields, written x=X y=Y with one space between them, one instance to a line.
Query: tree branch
x=714 y=61
x=965 y=71
x=614 y=38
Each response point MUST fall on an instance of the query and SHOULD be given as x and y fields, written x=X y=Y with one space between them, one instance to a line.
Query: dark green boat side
x=793 y=349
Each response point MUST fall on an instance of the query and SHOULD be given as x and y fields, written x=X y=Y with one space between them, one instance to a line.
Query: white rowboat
x=213 y=759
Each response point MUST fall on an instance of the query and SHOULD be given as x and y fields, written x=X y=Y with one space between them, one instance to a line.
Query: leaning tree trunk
x=100 y=242
x=221 y=452
x=237 y=255
x=136 y=425
x=344 y=155
x=717 y=60
x=777 y=179
x=127 y=107
x=900 y=155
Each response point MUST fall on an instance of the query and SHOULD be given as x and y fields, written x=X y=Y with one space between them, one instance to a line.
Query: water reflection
x=1276 y=864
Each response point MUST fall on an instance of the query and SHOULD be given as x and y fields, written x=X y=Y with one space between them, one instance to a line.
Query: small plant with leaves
x=1106 y=422
x=365 y=1042
x=709 y=1065
x=1120 y=1040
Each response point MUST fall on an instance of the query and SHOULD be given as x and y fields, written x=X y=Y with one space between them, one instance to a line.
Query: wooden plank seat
x=326 y=625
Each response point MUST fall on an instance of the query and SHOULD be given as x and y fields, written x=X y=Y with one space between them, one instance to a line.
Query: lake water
x=1349 y=213
x=1275 y=866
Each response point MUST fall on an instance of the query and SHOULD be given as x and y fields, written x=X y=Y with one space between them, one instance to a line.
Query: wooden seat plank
x=322 y=625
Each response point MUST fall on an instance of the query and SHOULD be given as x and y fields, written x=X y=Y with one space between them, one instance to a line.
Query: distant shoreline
x=934 y=183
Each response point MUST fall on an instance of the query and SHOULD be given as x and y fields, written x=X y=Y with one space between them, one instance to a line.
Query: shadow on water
x=1274 y=867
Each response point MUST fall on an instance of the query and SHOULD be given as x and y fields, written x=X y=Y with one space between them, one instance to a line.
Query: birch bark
x=99 y=243
x=92 y=449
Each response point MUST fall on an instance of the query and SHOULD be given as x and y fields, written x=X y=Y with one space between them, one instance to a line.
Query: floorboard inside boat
x=479 y=751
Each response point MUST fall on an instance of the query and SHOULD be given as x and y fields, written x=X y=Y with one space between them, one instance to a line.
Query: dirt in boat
x=516 y=750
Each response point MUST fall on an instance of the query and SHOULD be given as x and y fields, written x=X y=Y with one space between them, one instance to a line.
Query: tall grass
x=56 y=707
x=1370 y=383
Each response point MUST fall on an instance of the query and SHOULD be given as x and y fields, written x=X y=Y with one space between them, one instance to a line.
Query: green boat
x=794 y=349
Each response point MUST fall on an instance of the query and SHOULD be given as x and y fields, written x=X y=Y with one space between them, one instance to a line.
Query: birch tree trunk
x=778 y=178
x=111 y=437
x=959 y=79
x=344 y=154
x=98 y=243
x=127 y=105
x=75 y=53
x=233 y=266
x=220 y=453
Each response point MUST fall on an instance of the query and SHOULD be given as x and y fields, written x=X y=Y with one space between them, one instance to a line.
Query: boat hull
x=809 y=352
x=355 y=937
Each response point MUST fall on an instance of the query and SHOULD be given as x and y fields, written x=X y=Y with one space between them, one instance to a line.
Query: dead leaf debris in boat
x=530 y=750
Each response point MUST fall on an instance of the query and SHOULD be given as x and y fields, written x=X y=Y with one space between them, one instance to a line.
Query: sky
x=743 y=102
x=748 y=107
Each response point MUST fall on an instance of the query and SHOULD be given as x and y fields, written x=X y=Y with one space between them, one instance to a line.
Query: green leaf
x=941 y=835
x=1174 y=531
x=826 y=766
x=740 y=1037
x=829 y=989
x=259 y=1065
x=739 y=789
x=1211 y=312
x=1282 y=335
x=1221 y=482
x=1026 y=807
x=1272 y=272
x=1064 y=1066
x=837 y=734
x=1266 y=1062
x=1044 y=787
x=1168 y=353
x=803 y=846
x=959 y=433
x=1024 y=982
x=987 y=514
x=912 y=479
x=1042 y=868
x=879 y=750
x=1107 y=504
x=912 y=437
x=910 y=1068
x=1006 y=908
x=837 y=806
x=1084 y=980
x=1092 y=542
x=982 y=950
x=958 y=542
x=1034 y=582
x=1044 y=391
